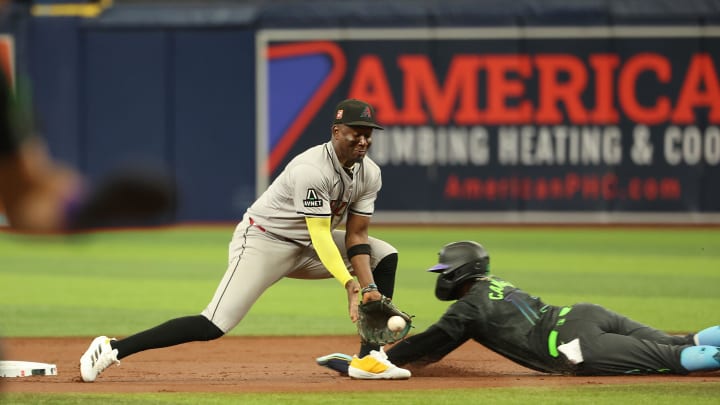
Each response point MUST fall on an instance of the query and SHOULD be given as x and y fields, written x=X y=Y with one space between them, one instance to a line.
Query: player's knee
x=387 y=265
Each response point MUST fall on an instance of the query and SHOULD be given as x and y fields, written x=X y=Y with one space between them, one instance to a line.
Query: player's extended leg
x=255 y=263
x=612 y=344
x=612 y=322
x=704 y=356
x=612 y=354
x=244 y=281
x=173 y=332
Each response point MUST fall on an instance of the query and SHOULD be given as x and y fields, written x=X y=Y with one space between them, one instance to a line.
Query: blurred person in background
x=36 y=192
x=41 y=194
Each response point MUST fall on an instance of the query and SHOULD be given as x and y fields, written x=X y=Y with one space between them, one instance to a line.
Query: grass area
x=612 y=394
x=120 y=282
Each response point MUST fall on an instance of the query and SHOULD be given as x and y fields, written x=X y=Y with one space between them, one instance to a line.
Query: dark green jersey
x=506 y=320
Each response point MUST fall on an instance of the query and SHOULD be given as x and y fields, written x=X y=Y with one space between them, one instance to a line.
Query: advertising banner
x=559 y=119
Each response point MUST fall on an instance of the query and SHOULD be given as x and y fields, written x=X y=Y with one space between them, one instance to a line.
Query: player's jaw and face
x=351 y=143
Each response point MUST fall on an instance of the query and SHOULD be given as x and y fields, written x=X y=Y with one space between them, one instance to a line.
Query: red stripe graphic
x=337 y=70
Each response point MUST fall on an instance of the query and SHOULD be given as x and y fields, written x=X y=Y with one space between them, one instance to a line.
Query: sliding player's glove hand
x=373 y=322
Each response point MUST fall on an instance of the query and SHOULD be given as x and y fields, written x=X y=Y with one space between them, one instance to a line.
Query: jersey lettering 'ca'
x=315 y=184
x=528 y=306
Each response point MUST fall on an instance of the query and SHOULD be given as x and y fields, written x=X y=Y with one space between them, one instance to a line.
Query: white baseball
x=396 y=323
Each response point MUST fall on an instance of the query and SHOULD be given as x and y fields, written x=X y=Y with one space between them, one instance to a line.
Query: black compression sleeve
x=173 y=332
x=426 y=347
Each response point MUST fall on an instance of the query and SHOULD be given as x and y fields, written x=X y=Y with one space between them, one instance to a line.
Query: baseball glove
x=373 y=318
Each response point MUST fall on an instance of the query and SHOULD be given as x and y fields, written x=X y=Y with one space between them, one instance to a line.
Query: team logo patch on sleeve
x=311 y=200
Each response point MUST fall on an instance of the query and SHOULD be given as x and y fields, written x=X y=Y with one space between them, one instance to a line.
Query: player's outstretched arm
x=319 y=229
x=423 y=348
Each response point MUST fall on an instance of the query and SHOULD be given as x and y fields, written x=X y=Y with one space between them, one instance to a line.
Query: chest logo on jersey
x=311 y=199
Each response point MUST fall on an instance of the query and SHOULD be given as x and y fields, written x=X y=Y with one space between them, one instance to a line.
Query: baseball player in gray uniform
x=290 y=231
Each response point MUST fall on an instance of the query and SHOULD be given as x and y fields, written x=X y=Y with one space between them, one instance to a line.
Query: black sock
x=173 y=332
x=365 y=349
x=384 y=274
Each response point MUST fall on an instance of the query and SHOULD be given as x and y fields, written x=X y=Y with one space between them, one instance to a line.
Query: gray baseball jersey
x=272 y=241
x=315 y=184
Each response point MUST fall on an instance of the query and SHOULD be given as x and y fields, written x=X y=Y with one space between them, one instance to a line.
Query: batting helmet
x=459 y=262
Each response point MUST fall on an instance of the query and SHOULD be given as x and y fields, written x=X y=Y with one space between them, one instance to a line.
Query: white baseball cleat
x=99 y=356
x=376 y=366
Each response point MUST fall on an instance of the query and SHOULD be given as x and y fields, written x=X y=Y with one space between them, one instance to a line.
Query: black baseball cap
x=354 y=112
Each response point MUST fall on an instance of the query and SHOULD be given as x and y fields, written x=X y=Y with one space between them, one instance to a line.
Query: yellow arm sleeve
x=326 y=249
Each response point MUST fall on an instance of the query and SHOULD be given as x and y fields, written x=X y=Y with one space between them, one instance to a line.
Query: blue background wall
x=172 y=84
x=115 y=91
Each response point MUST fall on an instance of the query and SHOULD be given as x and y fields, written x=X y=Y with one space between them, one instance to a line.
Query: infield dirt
x=275 y=364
